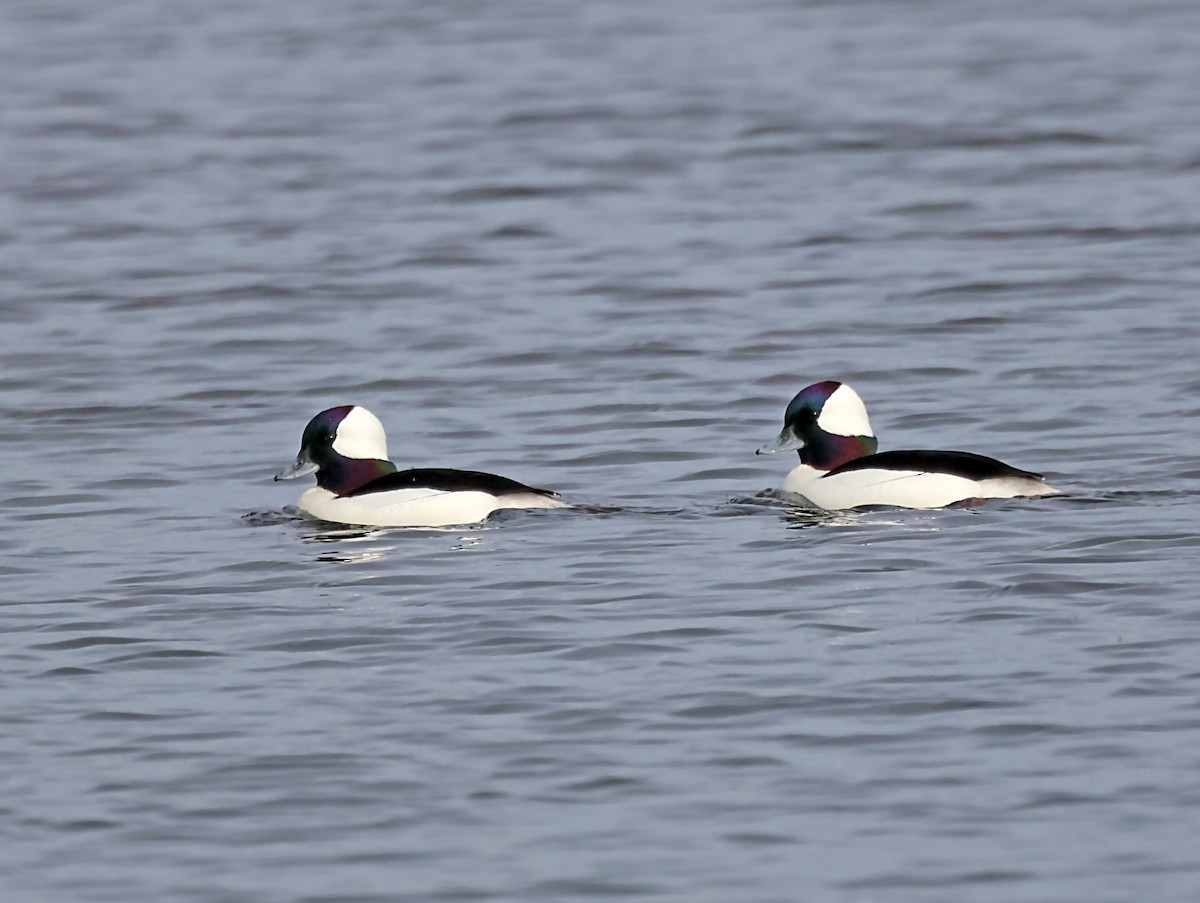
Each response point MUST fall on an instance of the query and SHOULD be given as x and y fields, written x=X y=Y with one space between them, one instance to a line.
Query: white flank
x=416 y=507
x=361 y=435
x=902 y=488
x=844 y=414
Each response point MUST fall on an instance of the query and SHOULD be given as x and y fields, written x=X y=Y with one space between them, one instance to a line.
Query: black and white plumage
x=346 y=448
x=827 y=424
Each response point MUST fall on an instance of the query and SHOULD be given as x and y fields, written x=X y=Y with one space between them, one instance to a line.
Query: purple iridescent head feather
x=822 y=448
x=336 y=472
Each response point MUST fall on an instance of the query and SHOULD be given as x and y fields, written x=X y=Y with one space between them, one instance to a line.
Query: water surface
x=598 y=249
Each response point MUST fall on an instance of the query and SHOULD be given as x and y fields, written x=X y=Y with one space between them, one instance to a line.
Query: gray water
x=598 y=247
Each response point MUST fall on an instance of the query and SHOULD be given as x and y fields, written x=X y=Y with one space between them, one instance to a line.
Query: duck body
x=912 y=479
x=356 y=483
x=840 y=467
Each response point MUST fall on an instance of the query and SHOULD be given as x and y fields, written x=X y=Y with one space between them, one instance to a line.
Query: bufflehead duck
x=839 y=467
x=356 y=483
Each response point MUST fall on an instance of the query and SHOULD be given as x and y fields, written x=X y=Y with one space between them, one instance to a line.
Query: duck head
x=826 y=423
x=345 y=447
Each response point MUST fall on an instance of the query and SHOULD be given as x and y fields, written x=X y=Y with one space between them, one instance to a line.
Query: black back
x=955 y=463
x=446 y=480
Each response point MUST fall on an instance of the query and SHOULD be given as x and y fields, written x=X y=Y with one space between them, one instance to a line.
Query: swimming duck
x=826 y=423
x=346 y=448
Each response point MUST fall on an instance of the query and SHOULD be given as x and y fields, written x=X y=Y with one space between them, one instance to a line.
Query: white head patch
x=361 y=435
x=844 y=414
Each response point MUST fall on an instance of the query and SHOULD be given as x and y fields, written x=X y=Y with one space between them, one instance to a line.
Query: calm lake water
x=598 y=247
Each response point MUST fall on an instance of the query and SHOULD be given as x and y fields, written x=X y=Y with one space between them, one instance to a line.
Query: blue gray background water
x=598 y=247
